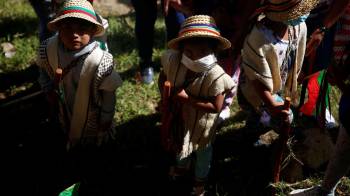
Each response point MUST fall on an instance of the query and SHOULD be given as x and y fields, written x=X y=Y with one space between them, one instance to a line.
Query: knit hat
x=81 y=9
x=285 y=10
x=199 y=26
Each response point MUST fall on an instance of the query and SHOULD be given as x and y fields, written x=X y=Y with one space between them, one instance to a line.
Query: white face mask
x=200 y=65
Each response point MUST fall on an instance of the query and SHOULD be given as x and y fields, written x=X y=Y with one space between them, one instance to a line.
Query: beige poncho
x=260 y=62
x=199 y=125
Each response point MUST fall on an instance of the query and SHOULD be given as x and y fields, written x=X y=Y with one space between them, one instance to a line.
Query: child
x=200 y=85
x=272 y=57
x=80 y=83
x=86 y=81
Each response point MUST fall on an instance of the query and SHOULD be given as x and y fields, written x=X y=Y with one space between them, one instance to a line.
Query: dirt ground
x=113 y=7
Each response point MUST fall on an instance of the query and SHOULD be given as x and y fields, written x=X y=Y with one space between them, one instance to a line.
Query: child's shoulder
x=257 y=37
x=219 y=81
x=169 y=57
x=216 y=72
x=171 y=53
x=106 y=54
x=106 y=62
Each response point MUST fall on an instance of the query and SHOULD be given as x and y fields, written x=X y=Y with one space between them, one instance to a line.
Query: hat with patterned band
x=81 y=9
x=285 y=10
x=199 y=26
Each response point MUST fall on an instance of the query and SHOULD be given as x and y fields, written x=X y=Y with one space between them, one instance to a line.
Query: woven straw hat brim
x=223 y=42
x=304 y=7
x=52 y=25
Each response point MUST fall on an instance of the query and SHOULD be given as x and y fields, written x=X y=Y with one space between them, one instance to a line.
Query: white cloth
x=200 y=65
x=66 y=56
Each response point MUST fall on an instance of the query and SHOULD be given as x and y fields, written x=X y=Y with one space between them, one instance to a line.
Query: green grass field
x=19 y=26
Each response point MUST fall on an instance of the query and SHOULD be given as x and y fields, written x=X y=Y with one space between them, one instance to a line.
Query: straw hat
x=199 y=26
x=284 y=10
x=77 y=9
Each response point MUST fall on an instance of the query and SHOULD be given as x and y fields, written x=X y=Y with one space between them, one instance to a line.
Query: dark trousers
x=146 y=15
x=43 y=11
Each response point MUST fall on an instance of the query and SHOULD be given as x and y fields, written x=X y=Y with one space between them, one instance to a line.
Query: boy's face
x=75 y=33
x=196 y=50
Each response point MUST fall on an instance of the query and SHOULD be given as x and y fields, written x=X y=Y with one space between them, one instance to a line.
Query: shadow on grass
x=9 y=79
x=238 y=168
x=27 y=26
x=135 y=163
x=26 y=78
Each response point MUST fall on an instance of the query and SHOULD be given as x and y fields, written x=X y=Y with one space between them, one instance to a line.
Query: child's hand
x=182 y=96
x=277 y=110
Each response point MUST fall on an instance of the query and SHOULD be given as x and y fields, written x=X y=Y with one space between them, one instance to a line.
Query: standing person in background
x=45 y=13
x=146 y=15
x=199 y=86
x=316 y=61
x=80 y=83
x=338 y=74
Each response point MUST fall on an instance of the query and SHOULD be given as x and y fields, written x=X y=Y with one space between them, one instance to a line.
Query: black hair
x=212 y=42
x=83 y=23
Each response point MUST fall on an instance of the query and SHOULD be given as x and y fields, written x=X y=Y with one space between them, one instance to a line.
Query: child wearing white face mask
x=198 y=86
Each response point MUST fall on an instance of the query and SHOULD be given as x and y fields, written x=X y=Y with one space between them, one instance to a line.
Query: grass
x=18 y=18
x=133 y=98
x=135 y=101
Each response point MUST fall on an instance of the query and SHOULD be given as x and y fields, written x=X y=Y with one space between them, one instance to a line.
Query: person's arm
x=275 y=108
x=107 y=90
x=336 y=10
x=213 y=105
x=183 y=6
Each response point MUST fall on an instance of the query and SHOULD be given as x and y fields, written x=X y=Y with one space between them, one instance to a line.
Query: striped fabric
x=210 y=28
x=199 y=26
x=81 y=9
x=342 y=36
x=78 y=9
